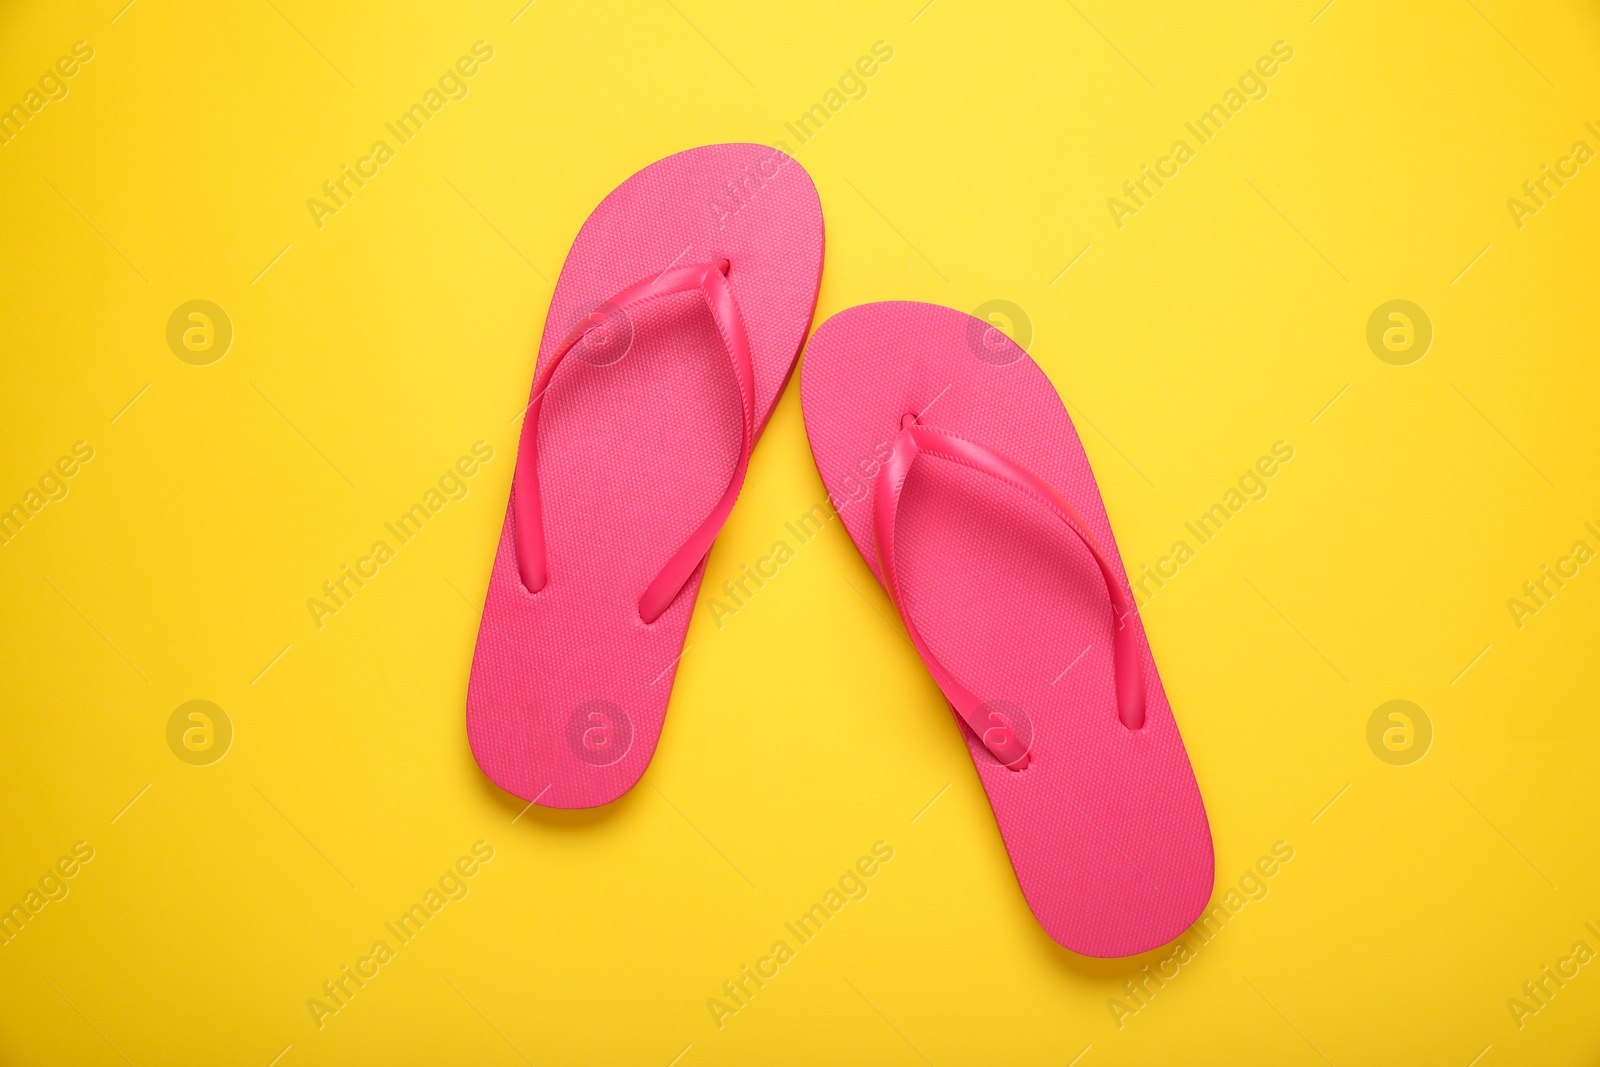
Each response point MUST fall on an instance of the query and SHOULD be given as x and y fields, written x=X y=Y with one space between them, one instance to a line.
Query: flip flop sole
x=1105 y=828
x=638 y=440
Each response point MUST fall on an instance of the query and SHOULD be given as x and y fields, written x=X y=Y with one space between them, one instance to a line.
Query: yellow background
x=1223 y=317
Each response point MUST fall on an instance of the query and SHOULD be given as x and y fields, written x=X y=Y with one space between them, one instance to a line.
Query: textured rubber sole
x=638 y=440
x=1105 y=828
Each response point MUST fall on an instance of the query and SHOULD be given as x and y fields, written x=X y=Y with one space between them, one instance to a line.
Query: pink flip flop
x=672 y=330
x=961 y=479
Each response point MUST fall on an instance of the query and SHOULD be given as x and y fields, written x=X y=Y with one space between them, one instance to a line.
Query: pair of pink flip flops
x=672 y=331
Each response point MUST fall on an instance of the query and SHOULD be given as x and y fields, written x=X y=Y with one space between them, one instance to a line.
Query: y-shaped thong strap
x=996 y=732
x=711 y=280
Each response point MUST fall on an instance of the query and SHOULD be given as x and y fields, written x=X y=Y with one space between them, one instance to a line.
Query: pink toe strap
x=991 y=725
x=711 y=280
